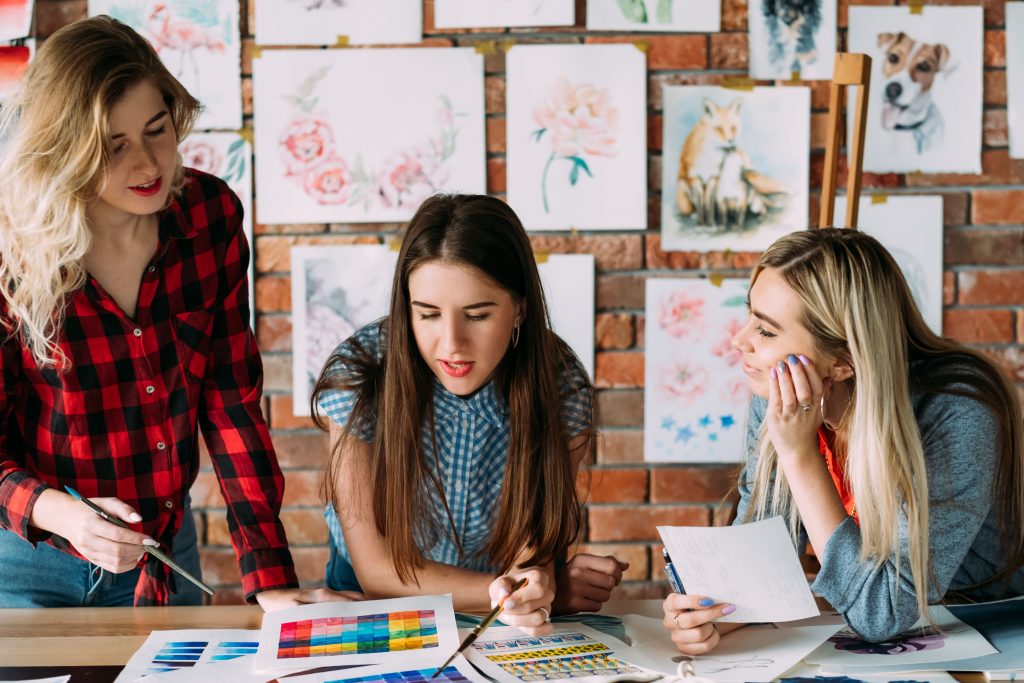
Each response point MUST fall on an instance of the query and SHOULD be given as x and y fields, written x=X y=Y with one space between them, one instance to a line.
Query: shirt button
x=465 y=424
x=151 y=269
x=168 y=504
x=458 y=486
x=137 y=332
x=150 y=389
x=160 y=445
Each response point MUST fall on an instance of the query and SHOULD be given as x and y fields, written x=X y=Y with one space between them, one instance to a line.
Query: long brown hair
x=858 y=307
x=539 y=509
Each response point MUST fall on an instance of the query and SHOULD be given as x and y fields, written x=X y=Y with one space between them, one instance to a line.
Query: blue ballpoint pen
x=160 y=555
x=670 y=572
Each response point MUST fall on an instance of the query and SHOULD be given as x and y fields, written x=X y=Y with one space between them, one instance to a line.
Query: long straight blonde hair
x=858 y=307
x=54 y=160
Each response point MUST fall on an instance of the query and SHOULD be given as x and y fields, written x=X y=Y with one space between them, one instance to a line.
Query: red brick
x=655 y=131
x=995 y=87
x=995 y=130
x=729 y=51
x=693 y=260
x=277 y=372
x=614 y=331
x=997 y=207
x=494 y=95
x=1010 y=359
x=985 y=287
x=948 y=288
x=620 y=446
x=641 y=329
x=635 y=554
x=301 y=450
x=246 y=96
x=868 y=180
x=995 y=48
x=283 y=417
x=997 y=169
x=274 y=333
x=619 y=369
x=675 y=52
x=51 y=16
x=619 y=291
x=639 y=522
x=303 y=488
x=734 y=15
x=978 y=326
x=611 y=252
x=311 y=564
x=273 y=294
x=613 y=485
x=228 y=596
x=984 y=247
x=305 y=527
x=954 y=208
x=287 y=228
x=205 y=491
x=1020 y=328
x=496 y=135
x=692 y=484
x=219 y=567
x=496 y=176
x=274 y=252
x=819 y=130
x=620 y=408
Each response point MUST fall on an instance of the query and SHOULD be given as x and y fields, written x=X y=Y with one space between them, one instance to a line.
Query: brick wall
x=983 y=292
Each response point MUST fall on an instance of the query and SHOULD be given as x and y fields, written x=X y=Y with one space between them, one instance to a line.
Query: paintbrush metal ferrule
x=163 y=557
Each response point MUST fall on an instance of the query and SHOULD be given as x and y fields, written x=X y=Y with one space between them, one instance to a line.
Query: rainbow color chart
x=451 y=674
x=594 y=665
x=363 y=634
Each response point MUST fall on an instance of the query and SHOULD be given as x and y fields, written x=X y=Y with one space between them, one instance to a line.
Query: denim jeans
x=46 y=577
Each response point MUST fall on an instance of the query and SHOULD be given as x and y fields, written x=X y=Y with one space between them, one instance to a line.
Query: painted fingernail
x=773 y=373
x=792 y=359
x=151 y=543
x=782 y=367
x=804 y=359
x=509 y=604
x=135 y=517
x=728 y=609
x=706 y=602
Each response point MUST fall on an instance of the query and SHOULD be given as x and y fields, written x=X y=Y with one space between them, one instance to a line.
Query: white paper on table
x=753 y=566
x=949 y=639
x=238 y=670
x=430 y=639
x=457 y=672
x=510 y=656
x=811 y=673
x=171 y=651
x=568 y=281
x=748 y=654
x=55 y=679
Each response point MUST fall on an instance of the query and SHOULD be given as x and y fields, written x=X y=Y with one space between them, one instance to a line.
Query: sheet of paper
x=568 y=281
x=811 y=673
x=572 y=650
x=750 y=654
x=948 y=639
x=1000 y=623
x=416 y=631
x=168 y=651
x=55 y=679
x=237 y=670
x=459 y=671
x=753 y=566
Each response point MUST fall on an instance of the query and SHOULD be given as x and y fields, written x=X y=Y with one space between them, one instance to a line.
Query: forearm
x=814 y=494
x=50 y=509
x=468 y=588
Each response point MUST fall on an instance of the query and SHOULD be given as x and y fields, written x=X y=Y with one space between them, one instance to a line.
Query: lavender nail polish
x=728 y=609
x=773 y=373
x=804 y=359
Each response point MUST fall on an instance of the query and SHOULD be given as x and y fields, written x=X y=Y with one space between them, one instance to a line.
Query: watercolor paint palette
x=188 y=650
x=387 y=632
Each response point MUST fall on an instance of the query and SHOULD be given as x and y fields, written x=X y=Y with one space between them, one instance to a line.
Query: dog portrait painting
x=793 y=38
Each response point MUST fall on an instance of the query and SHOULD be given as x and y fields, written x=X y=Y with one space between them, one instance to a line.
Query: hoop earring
x=515 y=336
x=824 y=420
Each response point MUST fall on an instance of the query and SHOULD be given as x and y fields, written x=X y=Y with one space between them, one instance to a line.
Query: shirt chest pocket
x=192 y=338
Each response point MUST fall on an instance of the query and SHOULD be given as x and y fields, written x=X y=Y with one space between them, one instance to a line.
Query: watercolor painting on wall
x=332 y=145
x=696 y=16
x=330 y=22
x=14 y=61
x=792 y=39
x=911 y=229
x=577 y=136
x=1015 y=77
x=335 y=291
x=503 y=13
x=925 y=106
x=695 y=396
x=728 y=180
x=15 y=19
x=199 y=43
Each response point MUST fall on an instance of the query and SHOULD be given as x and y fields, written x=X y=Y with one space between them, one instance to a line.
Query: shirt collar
x=485 y=403
x=176 y=219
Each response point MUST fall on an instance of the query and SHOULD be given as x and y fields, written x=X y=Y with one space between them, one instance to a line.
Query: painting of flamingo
x=13 y=62
x=199 y=42
x=15 y=19
x=323 y=22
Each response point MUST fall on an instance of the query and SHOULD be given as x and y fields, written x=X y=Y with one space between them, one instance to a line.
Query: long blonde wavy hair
x=858 y=307
x=54 y=158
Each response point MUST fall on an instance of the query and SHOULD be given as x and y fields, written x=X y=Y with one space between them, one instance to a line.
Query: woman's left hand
x=794 y=399
x=529 y=608
x=283 y=598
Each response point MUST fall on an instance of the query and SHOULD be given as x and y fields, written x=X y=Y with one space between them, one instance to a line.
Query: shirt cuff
x=838 y=581
x=265 y=570
x=19 y=491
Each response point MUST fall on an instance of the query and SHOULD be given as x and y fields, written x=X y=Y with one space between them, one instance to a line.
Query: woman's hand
x=282 y=598
x=690 y=622
x=529 y=608
x=106 y=545
x=586 y=582
x=794 y=413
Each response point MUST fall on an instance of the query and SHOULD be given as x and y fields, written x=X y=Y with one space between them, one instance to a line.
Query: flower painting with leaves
x=653 y=15
x=370 y=157
x=577 y=136
x=695 y=395
x=321 y=22
x=199 y=42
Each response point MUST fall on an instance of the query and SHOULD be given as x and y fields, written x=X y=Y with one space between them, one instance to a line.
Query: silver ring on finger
x=547 y=615
x=806 y=407
x=675 y=620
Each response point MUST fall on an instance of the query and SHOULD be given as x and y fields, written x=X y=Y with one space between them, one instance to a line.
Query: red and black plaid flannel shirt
x=122 y=421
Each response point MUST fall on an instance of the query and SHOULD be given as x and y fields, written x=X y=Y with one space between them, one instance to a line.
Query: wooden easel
x=851 y=69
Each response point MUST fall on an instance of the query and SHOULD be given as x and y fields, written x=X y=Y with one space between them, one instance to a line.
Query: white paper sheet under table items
x=508 y=655
x=753 y=653
x=355 y=22
x=503 y=13
x=459 y=671
x=417 y=631
x=365 y=135
x=198 y=42
x=668 y=16
x=238 y=670
x=336 y=289
x=577 y=136
x=945 y=638
x=910 y=228
x=169 y=651
x=568 y=281
x=753 y=566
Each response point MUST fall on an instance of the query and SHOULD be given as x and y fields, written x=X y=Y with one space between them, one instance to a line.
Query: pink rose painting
x=684 y=382
x=681 y=314
x=578 y=121
x=202 y=155
x=306 y=143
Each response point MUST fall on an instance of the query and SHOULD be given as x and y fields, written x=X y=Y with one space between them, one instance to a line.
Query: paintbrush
x=158 y=554
x=481 y=627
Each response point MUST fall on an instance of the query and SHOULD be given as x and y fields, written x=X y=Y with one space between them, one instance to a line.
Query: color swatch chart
x=232 y=649
x=364 y=634
x=528 y=642
x=450 y=674
x=593 y=665
x=176 y=655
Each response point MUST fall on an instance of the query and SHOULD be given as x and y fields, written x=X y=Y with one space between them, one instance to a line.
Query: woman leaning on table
x=125 y=318
x=897 y=453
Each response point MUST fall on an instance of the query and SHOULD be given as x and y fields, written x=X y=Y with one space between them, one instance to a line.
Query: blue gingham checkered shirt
x=472 y=438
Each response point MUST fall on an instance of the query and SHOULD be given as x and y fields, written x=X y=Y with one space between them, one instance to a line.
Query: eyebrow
x=147 y=124
x=762 y=316
x=471 y=307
